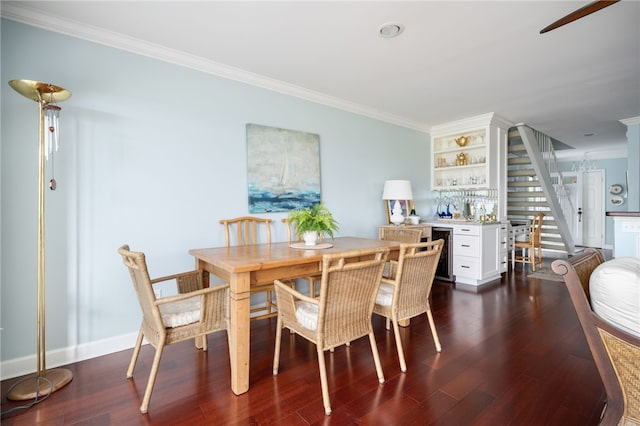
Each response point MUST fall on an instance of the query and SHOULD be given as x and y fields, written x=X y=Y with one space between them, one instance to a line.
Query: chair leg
x=532 y=258
x=434 y=332
x=323 y=381
x=152 y=379
x=376 y=357
x=276 y=352
x=134 y=357
x=202 y=342
x=269 y=302
x=396 y=333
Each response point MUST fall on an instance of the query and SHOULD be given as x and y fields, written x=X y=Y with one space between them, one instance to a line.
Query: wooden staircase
x=532 y=186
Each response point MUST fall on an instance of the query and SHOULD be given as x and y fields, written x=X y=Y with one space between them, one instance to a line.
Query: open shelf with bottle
x=470 y=154
x=460 y=160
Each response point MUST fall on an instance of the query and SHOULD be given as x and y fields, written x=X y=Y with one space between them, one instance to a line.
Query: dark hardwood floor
x=512 y=355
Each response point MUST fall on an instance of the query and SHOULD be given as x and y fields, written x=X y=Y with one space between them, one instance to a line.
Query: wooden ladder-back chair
x=531 y=244
x=243 y=231
x=407 y=294
x=193 y=314
x=616 y=353
x=341 y=314
x=292 y=237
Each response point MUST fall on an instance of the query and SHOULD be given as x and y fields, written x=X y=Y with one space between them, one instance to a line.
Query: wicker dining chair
x=530 y=245
x=406 y=295
x=401 y=235
x=192 y=314
x=616 y=353
x=341 y=314
x=246 y=230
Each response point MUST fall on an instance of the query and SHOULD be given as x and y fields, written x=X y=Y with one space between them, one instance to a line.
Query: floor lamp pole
x=46 y=381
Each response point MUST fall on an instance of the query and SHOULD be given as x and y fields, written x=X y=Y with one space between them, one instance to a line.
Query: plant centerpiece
x=311 y=223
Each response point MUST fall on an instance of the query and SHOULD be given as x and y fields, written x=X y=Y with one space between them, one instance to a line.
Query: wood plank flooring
x=512 y=355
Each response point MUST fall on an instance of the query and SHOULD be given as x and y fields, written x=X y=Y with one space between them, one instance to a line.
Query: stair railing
x=534 y=142
x=551 y=161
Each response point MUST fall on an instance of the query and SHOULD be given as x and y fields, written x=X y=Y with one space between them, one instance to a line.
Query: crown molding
x=631 y=121
x=24 y=15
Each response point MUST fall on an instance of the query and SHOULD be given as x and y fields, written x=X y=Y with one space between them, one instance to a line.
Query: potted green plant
x=311 y=223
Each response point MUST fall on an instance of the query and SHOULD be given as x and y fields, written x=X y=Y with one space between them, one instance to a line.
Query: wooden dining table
x=251 y=265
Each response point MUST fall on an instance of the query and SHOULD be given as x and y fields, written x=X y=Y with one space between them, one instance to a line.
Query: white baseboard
x=59 y=357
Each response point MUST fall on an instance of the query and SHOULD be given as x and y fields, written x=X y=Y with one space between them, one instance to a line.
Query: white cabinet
x=479 y=164
x=477 y=257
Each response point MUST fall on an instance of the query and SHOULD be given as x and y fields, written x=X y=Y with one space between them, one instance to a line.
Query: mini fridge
x=445 y=265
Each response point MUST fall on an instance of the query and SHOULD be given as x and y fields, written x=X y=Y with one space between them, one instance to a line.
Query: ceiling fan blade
x=580 y=13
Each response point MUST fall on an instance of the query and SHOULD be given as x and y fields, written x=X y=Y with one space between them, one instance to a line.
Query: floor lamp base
x=37 y=386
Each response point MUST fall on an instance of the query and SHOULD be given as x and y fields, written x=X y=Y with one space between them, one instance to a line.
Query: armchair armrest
x=183 y=296
x=185 y=281
x=213 y=306
x=286 y=300
x=388 y=281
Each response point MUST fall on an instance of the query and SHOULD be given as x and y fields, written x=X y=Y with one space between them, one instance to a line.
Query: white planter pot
x=310 y=238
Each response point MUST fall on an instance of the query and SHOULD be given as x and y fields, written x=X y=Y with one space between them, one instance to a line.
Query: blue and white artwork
x=283 y=169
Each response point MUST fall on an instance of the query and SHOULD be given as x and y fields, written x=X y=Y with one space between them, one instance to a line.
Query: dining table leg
x=239 y=331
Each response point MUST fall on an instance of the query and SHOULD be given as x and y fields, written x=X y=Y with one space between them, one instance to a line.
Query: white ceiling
x=454 y=60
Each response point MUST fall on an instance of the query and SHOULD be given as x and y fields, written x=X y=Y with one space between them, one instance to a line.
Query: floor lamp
x=46 y=95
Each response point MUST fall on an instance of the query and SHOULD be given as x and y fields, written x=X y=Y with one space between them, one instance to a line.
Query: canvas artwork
x=283 y=169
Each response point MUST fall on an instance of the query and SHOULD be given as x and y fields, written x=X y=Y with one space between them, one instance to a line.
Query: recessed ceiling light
x=390 y=29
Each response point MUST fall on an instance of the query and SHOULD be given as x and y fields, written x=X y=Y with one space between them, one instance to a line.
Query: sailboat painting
x=283 y=169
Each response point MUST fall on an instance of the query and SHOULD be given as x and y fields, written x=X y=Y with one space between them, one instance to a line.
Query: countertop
x=623 y=214
x=445 y=222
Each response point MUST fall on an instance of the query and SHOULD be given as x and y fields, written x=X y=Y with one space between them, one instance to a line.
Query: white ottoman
x=615 y=293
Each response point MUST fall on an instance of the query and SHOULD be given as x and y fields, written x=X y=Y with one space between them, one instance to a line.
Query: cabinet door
x=491 y=259
x=466 y=266
x=466 y=245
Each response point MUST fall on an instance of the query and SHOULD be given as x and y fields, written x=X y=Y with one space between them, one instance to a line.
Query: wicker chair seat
x=181 y=312
x=385 y=294
x=307 y=314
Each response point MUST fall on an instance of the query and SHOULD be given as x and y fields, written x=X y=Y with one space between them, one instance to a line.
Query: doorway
x=593 y=208
x=584 y=210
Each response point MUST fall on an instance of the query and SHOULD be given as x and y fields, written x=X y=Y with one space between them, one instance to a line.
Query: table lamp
x=396 y=190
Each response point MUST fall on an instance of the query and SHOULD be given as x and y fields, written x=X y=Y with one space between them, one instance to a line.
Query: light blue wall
x=633 y=138
x=153 y=155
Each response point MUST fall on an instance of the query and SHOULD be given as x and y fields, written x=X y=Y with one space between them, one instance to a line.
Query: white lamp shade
x=397 y=190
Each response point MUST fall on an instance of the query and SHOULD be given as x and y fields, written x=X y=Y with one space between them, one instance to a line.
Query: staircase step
x=551 y=239
x=521 y=172
x=515 y=161
x=516 y=147
x=525 y=194
x=523 y=183
x=558 y=247
x=527 y=203
x=519 y=214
